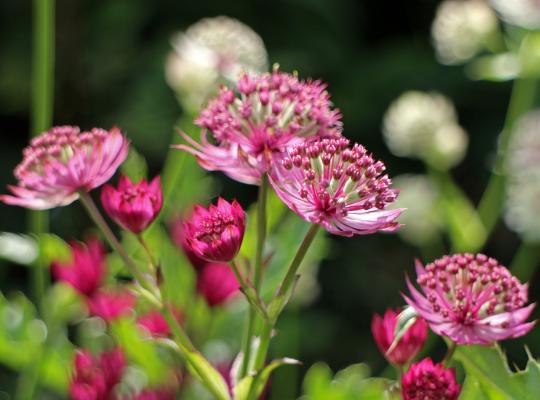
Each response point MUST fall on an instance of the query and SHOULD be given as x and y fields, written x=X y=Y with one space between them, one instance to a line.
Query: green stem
x=144 y=245
x=491 y=203
x=41 y=112
x=258 y=273
x=526 y=261
x=249 y=292
x=449 y=353
x=111 y=238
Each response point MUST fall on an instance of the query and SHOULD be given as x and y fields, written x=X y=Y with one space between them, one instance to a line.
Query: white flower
x=212 y=51
x=460 y=29
x=424 y=125
x=524 y=13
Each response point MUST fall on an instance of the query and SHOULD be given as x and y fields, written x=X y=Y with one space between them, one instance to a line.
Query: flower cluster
x=252 y=129
x=327 y=182
x=63 y=161
x=472 y=299
x=428 y=381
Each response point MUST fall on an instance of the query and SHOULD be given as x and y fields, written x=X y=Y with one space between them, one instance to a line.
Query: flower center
x=213 y=226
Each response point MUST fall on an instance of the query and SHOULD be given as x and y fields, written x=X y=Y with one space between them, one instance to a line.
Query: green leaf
x=135 y=167
x=53 y=248
x=198 y=365
x=472 y=390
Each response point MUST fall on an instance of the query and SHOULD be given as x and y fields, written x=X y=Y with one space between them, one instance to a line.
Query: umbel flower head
x=178 y=237
x=63 y=161
x=212 y=51
x=471 y=299
x=251 y=128
x=383 y=330
x=133 y=206
x=461 y=29
x=85 y=271
x=427 y=381
x=215 y=234
x=523 y=13
x=217 y=283
x=424 y=125
x=110 y=304
x=327 y=182
x=422 y=221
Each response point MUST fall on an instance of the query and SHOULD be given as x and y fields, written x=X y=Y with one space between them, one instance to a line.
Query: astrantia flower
x=212 y=51
x=424 y=125
x=63 y=161
x=156 y=324
x=461 y=28
x=524 y=13
x=133 y=206
x=216 y=233
x=427 y=381
x=95 y=377
x=327 y=182
x=178 y=236
x=471 y=299
x=217 y=283
x=85 y=271
x=383 y=330
x=110 y=304
x=251 y=128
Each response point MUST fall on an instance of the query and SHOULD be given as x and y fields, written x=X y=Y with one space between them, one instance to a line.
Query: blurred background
x=110 y=69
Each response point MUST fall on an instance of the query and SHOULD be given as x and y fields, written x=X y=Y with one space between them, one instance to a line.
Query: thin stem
x=526 y=261
x=111 y=238
x=248 y=291
x=491 y=203
x=258 y=273
x=449 y=353
x=144 y=245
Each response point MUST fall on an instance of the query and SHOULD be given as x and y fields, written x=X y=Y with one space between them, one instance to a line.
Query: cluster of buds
x=428 y=381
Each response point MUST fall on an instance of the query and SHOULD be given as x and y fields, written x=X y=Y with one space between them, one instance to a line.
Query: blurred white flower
x=210 y=52
x=421 y=220
x=424 y=125
x=524 y=13
x=460 y=29
x=523 y=171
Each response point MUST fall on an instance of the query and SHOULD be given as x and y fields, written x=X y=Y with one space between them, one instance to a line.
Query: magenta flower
x=133 y=206
x=63 y=161
x=111 y=304
x=178 y=236
x=217 y=283
x=471 y=299
x=427 y=381
x=156 y=394
x=215 y=234
x=383 y=330
x=86 y=270
x=327 y=182
x=251 y=130
x=156 y=325
x=94 y=378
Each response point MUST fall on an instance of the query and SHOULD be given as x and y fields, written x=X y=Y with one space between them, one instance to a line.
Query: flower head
x=460 y=29
x=156 y=324
x=63 y=161
x=471 y=299
x=424 y=125
x=133 y=206
x=178 y=236
x=251 y=129
x=427 y=381
x=327 y=182
x=216 y=283
x=216 y=233
x=86 y=270
x=111 y=304
x=383 y=330
x=523 y=13
x=212 y=51
x=95 y=377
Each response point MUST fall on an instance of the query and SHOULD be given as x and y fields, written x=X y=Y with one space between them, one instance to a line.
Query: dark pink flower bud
x=133 y=206
x=428 y=381
x=156 y=325
x=86 y=269
x=409 y=345
x=217 y=283
x=111 y=304
x=96 y=377
x=216 y=233
x=179 y=238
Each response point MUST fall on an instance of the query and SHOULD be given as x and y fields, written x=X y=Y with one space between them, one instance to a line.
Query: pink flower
x=156 y=325
x=86 y=270
x=178 y=236
x=409 y=345
x=111 y=304
x=133 y=206
x=156 y=394
x=251 y=130
x=471 y=299
x=327 y=182
x=428 y=381
x=94 y=378
x=63 y=161
x=216 y=233
x=217 y=283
